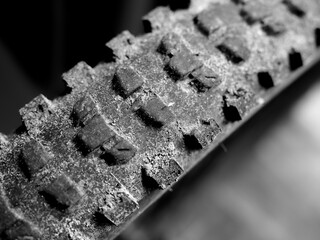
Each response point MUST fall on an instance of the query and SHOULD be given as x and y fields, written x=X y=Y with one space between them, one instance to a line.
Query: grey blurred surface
x=265 y=187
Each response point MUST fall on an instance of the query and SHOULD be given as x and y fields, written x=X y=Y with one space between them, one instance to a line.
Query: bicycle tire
x=81 y=165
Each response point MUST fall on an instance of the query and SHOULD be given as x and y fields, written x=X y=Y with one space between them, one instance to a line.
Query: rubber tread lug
x=157 y=18
x=34 y=157
x=118 y=151
x=127 y=81
x=84 y=109
x=182 y=64
x=234 y=103
x=204 y=79
x=117 y=204
x=171 y=44
x=36 y=113
x=121 y=45
x=163 y=170
x=273 y=26
x=62 y=193
x=153 y=112
x=295 y=8
x=255 y=11
x=217 y=16
x=94 y=133
x=79 y=77
x=207 y=132
x=234 y=48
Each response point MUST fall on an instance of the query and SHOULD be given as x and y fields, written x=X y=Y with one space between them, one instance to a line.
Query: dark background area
x=39 y=40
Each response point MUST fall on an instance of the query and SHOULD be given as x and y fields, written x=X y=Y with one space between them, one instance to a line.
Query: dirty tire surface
x=80 y=166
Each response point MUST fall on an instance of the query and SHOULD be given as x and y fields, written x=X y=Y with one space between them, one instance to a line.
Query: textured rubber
x=80 y=165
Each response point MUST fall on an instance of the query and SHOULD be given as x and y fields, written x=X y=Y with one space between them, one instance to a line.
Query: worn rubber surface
x=80 y=165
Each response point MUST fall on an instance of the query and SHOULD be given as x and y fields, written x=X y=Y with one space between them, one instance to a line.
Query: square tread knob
x=33 y=157
x=94 y=134
x=126 y=81
x=154 y=112
x=62 y=193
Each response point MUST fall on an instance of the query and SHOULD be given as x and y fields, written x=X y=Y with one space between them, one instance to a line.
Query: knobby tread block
x=171 y=44
x=273 y=26
x=235 y=49
x=34 y=157
x=217 y=16
x=95 y=133
x=207 y=132
x=204 y=79
x=255 y=11
x=79 y=77
x=36 y=112
x=84 y=109
x=272 y=23
x=127 y=81
x=154 y=112
x=157 y=18
x=235 y=102
x=295 y=7
x=81 y=164
x=117 y=204
x=118 y=151
x=182 y=64
x=62 y=193
x=121 y=45
x=162 y=170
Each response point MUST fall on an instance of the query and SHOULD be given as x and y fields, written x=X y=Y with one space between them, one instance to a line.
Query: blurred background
x=264 y=184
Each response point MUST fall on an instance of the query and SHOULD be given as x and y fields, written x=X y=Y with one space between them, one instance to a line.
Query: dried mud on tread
x=81 y=165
